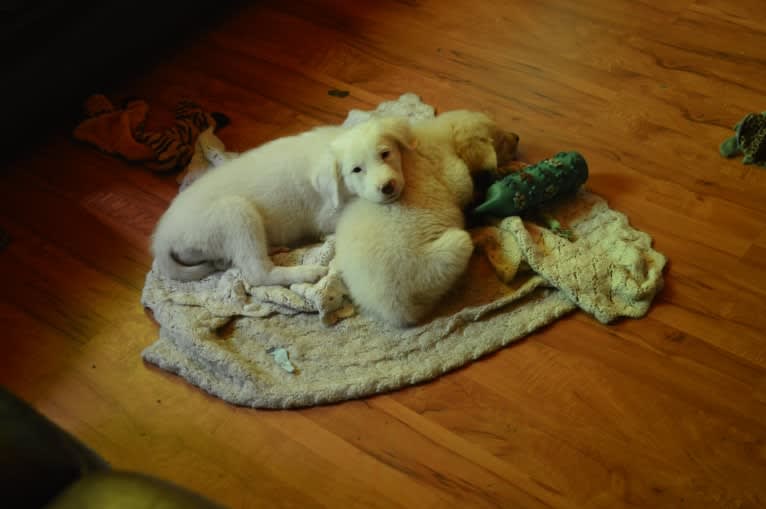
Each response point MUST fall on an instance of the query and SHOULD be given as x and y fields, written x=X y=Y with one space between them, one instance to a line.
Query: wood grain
x=667 y=411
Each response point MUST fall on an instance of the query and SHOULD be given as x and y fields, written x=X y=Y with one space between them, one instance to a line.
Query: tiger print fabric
x=174 y=147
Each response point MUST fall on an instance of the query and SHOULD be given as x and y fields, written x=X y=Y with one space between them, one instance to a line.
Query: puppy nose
x=389 y=188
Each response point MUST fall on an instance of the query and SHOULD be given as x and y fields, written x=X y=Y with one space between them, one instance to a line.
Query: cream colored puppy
x=280 y=194
x=399 y=259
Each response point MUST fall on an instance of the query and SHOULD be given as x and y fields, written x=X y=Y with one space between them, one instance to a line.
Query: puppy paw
x=312 y=273
x=286 y=276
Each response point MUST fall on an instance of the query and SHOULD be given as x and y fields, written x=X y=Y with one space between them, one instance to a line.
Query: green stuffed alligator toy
x=534 y=185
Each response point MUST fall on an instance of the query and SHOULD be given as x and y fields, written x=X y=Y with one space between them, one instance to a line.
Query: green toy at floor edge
x=534 y=185
x=749 y=140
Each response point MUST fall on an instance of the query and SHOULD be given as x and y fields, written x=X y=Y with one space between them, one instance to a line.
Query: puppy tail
x=172 y=266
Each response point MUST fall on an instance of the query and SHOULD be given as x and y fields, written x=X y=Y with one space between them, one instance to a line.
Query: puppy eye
x=357 y=169
x=385 y=154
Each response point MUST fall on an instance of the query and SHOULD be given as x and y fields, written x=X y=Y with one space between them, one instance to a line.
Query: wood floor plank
x=450 y=466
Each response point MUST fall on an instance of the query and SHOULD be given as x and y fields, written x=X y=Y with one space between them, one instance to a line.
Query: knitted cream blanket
x=280 y=347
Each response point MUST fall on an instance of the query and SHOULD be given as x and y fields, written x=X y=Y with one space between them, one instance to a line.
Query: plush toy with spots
x=123 y=132
x=749 y=140
x=175 y=146
x=534 y=185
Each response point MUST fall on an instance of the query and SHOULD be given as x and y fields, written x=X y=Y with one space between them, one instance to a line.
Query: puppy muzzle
x=390 y=191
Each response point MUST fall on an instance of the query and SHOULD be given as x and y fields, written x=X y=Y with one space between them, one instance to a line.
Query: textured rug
x=274 y=347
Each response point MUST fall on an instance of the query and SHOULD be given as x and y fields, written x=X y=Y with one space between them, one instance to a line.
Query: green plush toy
x=534 y=185
x=749 y=140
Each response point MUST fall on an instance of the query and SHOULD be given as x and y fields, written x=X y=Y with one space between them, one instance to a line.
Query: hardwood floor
x=666 y=411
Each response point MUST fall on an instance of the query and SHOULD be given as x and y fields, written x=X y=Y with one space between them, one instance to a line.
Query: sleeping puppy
x=399 y=259
x=280 y=194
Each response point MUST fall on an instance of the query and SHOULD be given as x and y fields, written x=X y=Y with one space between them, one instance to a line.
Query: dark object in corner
x=42 y=466
x=5 y=239
x=56 y=53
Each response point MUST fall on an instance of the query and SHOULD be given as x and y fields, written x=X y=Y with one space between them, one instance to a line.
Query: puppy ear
x=473 y=135
x=478 y=153
x=398 y=128
x=326 y=179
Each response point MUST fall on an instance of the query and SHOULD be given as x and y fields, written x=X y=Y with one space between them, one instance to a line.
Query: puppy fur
x=280 y=194
x=398 y=260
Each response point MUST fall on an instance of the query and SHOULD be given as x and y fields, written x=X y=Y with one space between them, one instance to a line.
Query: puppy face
x=369 y=158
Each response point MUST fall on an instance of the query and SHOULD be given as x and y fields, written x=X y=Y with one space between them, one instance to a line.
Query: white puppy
x=398 y=260
x=279 y=194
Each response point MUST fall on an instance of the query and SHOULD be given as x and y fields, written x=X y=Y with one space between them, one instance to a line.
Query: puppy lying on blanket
x=279 y=194
x=398 y=260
